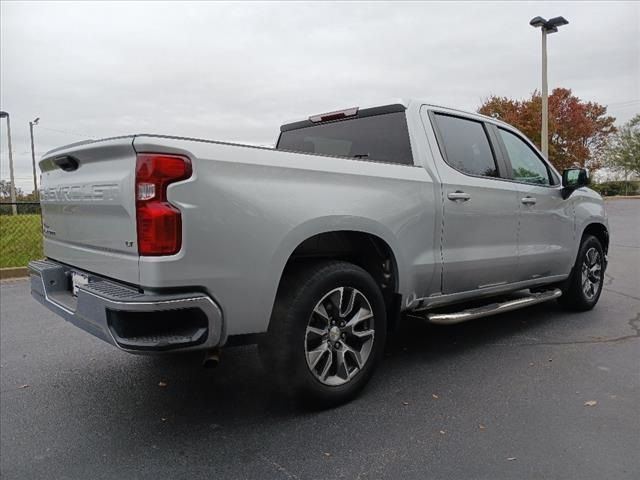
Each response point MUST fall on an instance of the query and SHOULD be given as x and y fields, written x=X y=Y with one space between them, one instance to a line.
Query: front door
x=479 y=230
x=546 y=240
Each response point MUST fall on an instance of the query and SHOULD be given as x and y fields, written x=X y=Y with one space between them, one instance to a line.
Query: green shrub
x=610 y=189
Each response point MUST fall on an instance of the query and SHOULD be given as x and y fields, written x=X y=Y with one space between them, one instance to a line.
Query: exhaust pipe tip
x=211 y=358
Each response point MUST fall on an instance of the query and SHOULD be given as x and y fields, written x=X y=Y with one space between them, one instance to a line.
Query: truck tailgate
x=88 y=207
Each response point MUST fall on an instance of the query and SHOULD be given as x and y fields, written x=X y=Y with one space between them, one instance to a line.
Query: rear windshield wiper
x=361 y=155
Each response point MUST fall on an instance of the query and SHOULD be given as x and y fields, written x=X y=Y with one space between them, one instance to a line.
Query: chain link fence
x=20 y=233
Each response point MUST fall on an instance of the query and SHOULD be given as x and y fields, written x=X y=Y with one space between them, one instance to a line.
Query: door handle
x=458 y=196
x=529 y=201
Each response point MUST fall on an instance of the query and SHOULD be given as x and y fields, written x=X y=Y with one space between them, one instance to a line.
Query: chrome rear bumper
x=125 y=317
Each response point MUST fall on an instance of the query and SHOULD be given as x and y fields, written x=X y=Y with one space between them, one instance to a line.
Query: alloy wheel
x=339 y=336
x=591 y=273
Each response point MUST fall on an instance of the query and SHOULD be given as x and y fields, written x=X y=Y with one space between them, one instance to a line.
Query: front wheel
x=327 y=332
x=584 y=287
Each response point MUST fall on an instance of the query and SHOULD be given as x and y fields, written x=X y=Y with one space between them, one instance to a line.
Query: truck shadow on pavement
x=176 y=388
x=172 y=401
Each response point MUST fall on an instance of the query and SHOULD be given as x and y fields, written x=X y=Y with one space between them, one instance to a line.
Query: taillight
x=159 y=223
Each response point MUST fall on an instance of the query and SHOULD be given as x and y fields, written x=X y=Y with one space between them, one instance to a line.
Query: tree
x=5 y=190
x=579 y=131
x=624 y=151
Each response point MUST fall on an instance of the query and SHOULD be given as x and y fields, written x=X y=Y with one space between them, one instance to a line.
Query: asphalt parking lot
x=538 y=393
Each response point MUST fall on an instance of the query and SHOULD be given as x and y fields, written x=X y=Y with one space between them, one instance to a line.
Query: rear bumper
x=123 y=316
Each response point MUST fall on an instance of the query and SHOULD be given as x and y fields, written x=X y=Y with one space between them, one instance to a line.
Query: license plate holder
x=78 y=279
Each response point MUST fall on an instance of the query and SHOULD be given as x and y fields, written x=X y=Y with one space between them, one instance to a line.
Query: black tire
x=284 y=350
x=574 y=297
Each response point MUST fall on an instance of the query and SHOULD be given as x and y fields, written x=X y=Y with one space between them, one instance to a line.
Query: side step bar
x=493 y=308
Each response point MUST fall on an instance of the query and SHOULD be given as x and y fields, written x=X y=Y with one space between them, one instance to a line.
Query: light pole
x=33 y=159
x=546 y=26
x=14 y=207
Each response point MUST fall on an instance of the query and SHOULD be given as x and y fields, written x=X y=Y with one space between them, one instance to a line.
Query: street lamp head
x=537 y=22
x=548 y=26
x=3 y=114
x=556 y=22
x=35 y=122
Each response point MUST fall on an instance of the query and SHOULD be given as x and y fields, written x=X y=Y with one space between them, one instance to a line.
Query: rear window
x=379 y=138
x=466 y=146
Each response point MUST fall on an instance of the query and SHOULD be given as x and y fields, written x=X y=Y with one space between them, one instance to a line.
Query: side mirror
x=572 y=179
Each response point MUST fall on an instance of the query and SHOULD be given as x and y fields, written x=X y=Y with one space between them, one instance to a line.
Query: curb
x=13 y=272
x=623 y=197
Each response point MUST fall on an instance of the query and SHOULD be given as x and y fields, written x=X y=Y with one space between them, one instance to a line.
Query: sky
x=236 y=71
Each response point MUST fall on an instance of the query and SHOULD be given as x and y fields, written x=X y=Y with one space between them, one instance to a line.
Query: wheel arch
x=600 y=231
x=364 y=249
x=371 y=247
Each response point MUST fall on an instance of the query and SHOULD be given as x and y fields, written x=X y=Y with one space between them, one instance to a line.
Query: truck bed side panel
x=246 y=209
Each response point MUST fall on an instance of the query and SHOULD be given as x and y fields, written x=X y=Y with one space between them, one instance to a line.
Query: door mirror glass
x=575 y=178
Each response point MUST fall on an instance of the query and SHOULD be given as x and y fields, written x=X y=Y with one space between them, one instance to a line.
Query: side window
x=465 y=145
x=527 y=166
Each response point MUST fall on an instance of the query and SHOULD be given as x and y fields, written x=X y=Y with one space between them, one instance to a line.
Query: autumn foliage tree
x=579 y=131
x=624 y=151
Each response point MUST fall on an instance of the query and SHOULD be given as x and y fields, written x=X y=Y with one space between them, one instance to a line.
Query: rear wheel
x=584 y=287
x=327 y=332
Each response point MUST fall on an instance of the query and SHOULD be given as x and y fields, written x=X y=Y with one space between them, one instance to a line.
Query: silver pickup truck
x=316 y=248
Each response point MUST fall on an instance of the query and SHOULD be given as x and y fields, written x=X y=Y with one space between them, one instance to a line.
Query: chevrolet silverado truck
x=316 y=248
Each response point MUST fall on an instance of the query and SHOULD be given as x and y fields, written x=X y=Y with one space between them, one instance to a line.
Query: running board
x=493 y=308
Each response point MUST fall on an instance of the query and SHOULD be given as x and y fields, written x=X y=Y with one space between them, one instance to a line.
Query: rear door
x=88 y=207
x=546 y=235
x=479 y=231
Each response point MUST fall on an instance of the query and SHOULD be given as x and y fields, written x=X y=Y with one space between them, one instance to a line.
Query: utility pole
x=546 y=26
x=14 y=207
x=33 y=159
